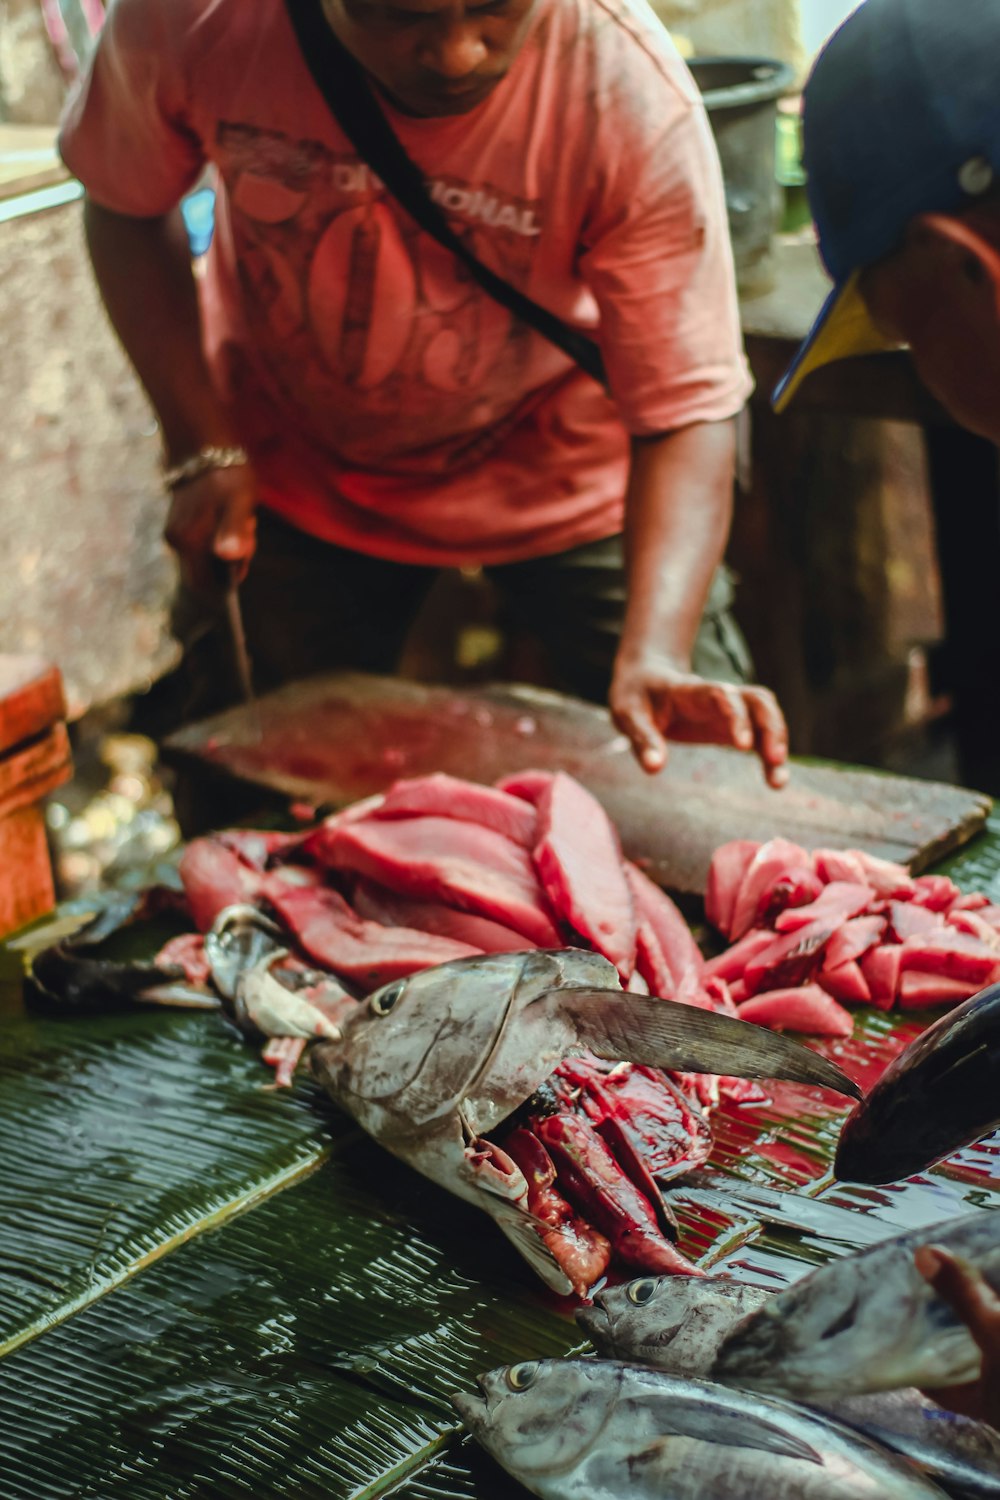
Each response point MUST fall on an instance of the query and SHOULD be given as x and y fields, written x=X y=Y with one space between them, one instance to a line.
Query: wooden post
x=35 y=758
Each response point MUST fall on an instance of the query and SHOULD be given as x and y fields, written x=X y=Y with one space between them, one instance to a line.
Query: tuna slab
x=803 y=1008
x=579 y=863
x=214 y=877
x=442 y=796
x=365 y=952
x=656 y=912
x=443 y=860
x=392 y=910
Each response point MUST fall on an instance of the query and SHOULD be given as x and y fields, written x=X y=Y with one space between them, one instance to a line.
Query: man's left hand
x=654 y=701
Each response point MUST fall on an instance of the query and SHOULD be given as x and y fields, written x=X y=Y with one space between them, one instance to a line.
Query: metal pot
x=741 y=95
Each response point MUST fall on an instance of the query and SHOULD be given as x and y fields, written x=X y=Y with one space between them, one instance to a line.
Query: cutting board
x=332 y=739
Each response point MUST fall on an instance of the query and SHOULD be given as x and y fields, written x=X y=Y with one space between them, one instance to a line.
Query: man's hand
x=978 y=1306
x=212 y=522
x=653 y=701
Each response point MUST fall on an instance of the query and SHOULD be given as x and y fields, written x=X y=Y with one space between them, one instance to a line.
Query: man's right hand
x=211 y=522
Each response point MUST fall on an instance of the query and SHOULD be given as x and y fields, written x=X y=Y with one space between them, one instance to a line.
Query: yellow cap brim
x=843 y=329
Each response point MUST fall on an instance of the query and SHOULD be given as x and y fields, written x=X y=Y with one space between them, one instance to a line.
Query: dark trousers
x=309 y=607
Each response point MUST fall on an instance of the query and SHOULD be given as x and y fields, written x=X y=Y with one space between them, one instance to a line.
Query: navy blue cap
x=901 y=116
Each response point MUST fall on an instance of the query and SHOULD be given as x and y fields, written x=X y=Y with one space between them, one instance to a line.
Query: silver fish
x=868 y=1322
x=594 y=1430
x=677 y=1324
x=433 y=1063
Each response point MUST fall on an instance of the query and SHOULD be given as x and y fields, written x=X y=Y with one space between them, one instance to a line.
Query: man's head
x=433 y=57
x=901 y=128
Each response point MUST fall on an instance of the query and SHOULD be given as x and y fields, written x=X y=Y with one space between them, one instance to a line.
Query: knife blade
x=238 y=643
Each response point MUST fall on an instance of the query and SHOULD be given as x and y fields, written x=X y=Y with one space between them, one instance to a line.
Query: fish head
x=940 y=1094
x=623 y=1320
x=240 y=939
x=542 y=1417
x=413 y=1051
x=667 y=1321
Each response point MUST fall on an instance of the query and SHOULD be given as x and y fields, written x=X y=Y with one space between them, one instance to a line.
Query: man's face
x=432 y=57
x=940 y=294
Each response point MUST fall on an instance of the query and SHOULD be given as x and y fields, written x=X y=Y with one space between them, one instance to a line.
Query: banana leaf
x=208 y=1288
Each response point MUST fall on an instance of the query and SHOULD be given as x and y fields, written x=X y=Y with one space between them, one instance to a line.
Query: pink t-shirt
x=390 y=405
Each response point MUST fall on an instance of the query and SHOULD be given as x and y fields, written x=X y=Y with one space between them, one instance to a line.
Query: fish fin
x=685 y=1039
x=182 y=996
x=522 y=1230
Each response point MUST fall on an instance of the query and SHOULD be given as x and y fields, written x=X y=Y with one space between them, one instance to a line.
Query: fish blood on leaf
x=861 y=928
x=940 y=1094
x=436 y=1065
x=868 y=1322
x=581 y=1429
x=679 y=1325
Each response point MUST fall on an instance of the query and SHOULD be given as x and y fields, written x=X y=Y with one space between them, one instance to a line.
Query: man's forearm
x=143 y=269
x=678 y=513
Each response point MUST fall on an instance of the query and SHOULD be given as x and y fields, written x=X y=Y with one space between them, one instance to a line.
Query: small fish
x=678 y=1324
x=68 y=974
x=940 y=1094
x=867 y=1322
x=433 y=1063
x=593 y=1429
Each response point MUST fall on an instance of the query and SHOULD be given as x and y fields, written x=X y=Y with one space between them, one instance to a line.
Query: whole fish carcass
x=867 y=1322
x=941 y=1093
x=678 y=1324
x=594 y=1429
x=434 y=1063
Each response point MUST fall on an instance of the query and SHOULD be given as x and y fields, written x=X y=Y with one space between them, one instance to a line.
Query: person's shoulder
x=625 y=39
x=184 y=26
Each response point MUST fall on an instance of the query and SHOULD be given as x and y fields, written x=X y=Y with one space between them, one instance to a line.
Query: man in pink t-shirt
x=345 y=399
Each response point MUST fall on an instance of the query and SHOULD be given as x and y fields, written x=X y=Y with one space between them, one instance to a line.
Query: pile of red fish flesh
x=809 y=931
x=439 y=868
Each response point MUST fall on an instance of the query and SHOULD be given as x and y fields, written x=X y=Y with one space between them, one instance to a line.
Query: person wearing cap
x=901 y=148
x=344 y=399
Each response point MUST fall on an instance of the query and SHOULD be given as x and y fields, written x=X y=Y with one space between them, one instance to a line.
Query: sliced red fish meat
x=887 y=879
x=442 y=796
x=730 y=863
x=918 y=990
x=593 y=1181
x=579 y=863
x=187 y=952
x=729 y=965
x=654 y=907
x=581 y=1251
x=841 y=866
x=952 y=954
x=936 y=892
x=363 y=952
x=792 y=958
x=907 y=920
x=378 y=904
x=459 y=864
x=847 y=983
x=214 y=877
x=772 y=862
x=852 y=940
x=528 y=785
x=837 y=902
x=881 y=968
x=805 y=1008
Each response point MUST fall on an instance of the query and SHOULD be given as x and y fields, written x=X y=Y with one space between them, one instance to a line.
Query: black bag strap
x=342 y=82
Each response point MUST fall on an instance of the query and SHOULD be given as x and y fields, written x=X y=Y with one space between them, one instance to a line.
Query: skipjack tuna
x=942 y=1093
x=867 y=1322
x=433 y=1065
x=678 y=1325
x=593 y=1429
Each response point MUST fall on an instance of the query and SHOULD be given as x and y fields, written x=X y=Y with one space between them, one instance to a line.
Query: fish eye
x=383 y=1001
x=642 y=1291
x=520 y=1377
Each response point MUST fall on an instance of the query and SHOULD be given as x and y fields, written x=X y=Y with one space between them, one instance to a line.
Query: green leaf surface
x=307 y=1347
